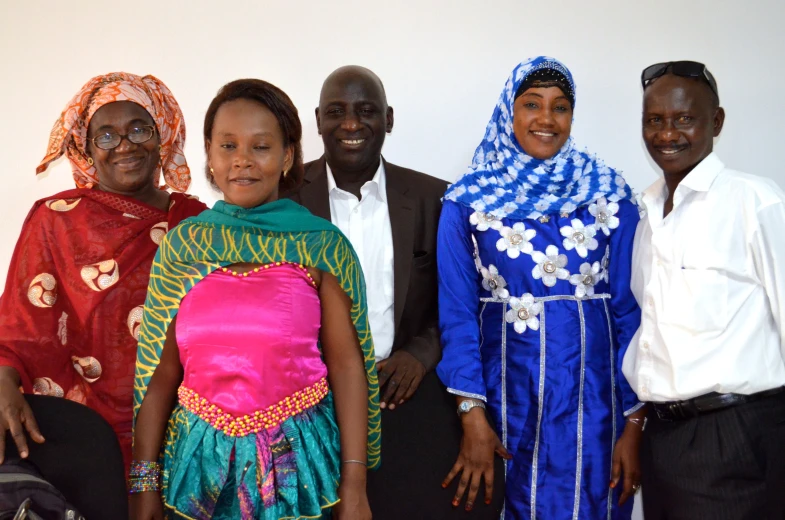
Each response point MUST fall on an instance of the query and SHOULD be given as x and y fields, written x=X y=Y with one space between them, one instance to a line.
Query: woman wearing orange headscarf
x=77 y=282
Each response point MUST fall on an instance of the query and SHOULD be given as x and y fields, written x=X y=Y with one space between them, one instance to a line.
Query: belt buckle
x=661 y=414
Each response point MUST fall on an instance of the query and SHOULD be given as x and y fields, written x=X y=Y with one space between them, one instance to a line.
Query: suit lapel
x=314 y=194
x=401 y=209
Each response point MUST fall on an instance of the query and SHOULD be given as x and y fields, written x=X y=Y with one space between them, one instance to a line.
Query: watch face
x=466 y=406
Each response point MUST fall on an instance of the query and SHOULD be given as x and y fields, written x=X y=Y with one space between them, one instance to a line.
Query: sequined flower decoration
x=43 y=291
x=101 y=276
x=158 y=231
x=605 y=264
x=88 y=367
x=523 y=313
x=62 y=329
x=134 y=321
x=62 y=205
x=494 y=282
x=515 y=240
x=484 y=221
x=584 y=283
x=579 y=237
x=47 y=386
x=550 y=266
x=604 y=215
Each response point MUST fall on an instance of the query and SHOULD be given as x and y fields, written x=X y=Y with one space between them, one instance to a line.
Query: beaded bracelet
x=144 y=475
x=140 y=485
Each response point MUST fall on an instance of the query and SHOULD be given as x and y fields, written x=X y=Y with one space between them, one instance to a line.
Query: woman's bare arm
x=346 y=373
x=159 y=400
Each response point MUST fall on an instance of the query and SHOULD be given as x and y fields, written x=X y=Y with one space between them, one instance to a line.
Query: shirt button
x=651 y=303
x=645 y=345
x=659 y=263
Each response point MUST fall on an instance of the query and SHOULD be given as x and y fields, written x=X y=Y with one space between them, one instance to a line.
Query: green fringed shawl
x=227 y=234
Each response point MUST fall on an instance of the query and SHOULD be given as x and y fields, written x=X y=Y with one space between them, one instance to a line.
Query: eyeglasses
x=685 y=69
x=111 y=140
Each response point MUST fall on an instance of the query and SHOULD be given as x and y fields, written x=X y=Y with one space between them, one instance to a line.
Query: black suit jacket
x=414 y=201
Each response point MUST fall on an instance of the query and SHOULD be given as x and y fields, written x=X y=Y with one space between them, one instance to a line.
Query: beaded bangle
x=140 y=485
x=144 y=475
x=145 y=468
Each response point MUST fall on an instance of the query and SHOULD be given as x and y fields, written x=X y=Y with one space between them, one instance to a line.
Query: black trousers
x=725 y=465
x=81 y=457
x=420 y=442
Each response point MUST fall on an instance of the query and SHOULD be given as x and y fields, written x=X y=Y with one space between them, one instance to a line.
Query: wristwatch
x=468 y=404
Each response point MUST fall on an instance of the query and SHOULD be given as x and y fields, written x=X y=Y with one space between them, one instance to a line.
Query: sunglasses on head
x=685 y=69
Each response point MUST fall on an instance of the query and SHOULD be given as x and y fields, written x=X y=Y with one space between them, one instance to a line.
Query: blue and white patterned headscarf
x=506 y=182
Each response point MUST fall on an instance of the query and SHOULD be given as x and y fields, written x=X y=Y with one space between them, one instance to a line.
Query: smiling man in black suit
x=390 y=214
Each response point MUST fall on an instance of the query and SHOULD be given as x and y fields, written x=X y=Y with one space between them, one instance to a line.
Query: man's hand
x=402 y=373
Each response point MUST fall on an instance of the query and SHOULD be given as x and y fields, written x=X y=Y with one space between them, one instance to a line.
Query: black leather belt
x=680 y=410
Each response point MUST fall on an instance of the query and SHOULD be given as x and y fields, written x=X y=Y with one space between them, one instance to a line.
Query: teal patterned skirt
x=288 y=472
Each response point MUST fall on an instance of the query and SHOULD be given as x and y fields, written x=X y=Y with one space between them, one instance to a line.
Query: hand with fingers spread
x=626 y=457
x=15 y=414
x=399 y=377
x=475 y=460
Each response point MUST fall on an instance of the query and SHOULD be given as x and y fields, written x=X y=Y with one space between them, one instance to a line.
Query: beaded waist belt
x=260 y=420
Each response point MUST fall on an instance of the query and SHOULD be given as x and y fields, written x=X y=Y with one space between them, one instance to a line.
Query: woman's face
x=129 y=167
x=542 y=120
x=246 y=153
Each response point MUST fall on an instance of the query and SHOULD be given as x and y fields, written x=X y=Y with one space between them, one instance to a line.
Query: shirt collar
x=655 y=194
x=377 y=184
x=702 y=176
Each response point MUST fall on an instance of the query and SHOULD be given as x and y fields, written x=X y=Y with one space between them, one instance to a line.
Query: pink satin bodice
x=249 y=342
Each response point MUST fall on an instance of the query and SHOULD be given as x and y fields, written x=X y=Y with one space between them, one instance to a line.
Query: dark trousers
x=420 y=442
x=81 y=457
x=724 y=465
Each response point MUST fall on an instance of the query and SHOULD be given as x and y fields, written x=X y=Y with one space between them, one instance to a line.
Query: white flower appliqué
x=579 y=237
x=494 y=282
x=484 y=221
x=515 y=240
x=584 y=283
x=550 y=266
x=604 y=215
x=523 y=313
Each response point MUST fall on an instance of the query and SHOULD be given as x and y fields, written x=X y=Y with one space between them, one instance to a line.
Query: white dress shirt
x=366 y=223
x=710 y=281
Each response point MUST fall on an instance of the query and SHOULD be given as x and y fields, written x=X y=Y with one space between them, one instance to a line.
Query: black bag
x=25 y=495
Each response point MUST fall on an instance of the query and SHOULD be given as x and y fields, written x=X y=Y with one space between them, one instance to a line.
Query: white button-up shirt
x=710 y=281
x=366 y=223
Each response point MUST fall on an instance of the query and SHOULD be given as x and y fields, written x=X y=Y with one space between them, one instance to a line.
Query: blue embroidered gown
x=536 y=316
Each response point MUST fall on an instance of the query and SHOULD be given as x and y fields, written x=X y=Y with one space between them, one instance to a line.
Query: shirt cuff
x=633 y=409
x=467 y=394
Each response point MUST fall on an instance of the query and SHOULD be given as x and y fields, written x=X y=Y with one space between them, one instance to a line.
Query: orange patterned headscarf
x=69 y=134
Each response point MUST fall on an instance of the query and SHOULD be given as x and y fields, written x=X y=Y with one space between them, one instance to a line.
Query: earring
x=212 y=171
x=160 y=148
x=285 y=173
x=90 y=161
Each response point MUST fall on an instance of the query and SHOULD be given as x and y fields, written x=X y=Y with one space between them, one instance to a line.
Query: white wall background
x=443 y=63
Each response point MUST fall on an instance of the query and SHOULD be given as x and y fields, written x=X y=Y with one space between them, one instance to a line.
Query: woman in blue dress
x=534 y=251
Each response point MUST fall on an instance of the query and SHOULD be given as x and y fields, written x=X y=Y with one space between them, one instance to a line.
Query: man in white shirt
x=390 y=214
x=710 y=280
